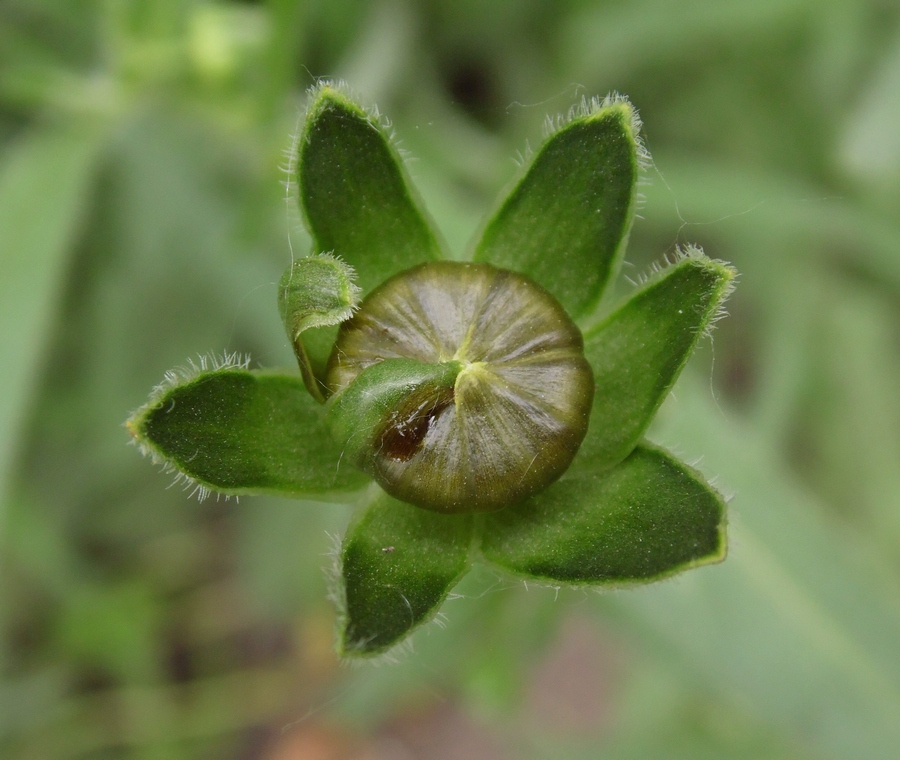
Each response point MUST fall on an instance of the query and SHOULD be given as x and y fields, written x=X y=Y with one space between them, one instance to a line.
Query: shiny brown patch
x=404 y=434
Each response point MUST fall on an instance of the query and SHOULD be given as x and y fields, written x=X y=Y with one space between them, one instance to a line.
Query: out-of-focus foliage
x=142 y=217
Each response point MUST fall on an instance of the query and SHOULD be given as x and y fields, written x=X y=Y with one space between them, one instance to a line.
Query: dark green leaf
x=647 y=518
x=354 y=191
x=235 y=431
x=566 y=222
x=638 y=352
x=398 y=564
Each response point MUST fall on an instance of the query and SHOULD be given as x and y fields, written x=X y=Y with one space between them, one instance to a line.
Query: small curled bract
x=518 y=409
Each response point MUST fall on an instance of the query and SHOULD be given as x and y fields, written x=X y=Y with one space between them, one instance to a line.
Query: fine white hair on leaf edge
x=333 y=572
x=292 y=154
x=173 y=378
x=185 y=373
x=335 y=592
x=590 y=106
x=692 y=253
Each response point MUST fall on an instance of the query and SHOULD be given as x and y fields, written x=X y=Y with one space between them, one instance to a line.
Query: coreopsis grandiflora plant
x=474 y=410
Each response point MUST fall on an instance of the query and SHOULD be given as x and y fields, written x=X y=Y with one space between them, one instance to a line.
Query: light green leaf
x=315 y=291
x=398 y=564
x=618 y=41
x=44 y=186
x=566 y=222
x=767 y=211
x=871 y=146
x=647 y=518
x=801 y=623
x=354 y=192
x=234 y=432
x=638 y=352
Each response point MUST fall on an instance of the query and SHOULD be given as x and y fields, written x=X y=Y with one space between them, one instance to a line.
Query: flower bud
x=460 y=387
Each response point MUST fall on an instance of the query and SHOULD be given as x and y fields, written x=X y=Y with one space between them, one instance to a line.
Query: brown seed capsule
x=518 y=409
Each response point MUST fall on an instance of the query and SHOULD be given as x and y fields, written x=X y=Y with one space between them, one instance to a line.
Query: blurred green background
x=143 y=219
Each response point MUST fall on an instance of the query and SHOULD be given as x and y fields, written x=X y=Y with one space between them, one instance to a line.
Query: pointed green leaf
x=234 y=431
x=638 y=352
x=566 y=222
x=354 y=191
x=647 y=518
x=315 y=291
x=398 y=564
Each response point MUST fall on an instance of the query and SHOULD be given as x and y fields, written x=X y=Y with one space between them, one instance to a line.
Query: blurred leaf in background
x=142 y=217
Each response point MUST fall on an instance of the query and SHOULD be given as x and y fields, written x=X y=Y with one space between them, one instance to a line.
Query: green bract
x=463 y=387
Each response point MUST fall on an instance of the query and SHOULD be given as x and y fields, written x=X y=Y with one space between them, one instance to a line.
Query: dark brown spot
x=406 y=430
